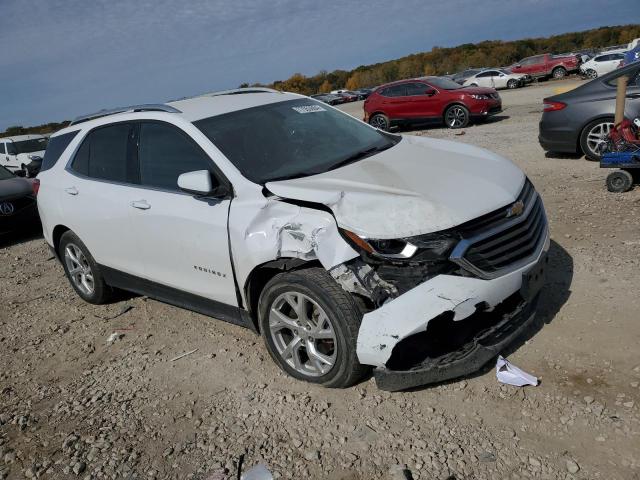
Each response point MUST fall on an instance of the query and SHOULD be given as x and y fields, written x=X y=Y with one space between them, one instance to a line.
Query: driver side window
x=165 y=153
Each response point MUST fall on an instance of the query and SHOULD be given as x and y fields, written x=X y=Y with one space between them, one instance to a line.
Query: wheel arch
x=58 y=231
x=263 y=273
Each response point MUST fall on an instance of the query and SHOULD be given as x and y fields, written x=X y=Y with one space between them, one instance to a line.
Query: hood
x=419 y=186
x=24 y=157
x=14 y=188
x=476 y=90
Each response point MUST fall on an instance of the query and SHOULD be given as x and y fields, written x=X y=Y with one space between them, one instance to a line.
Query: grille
x=496 y=243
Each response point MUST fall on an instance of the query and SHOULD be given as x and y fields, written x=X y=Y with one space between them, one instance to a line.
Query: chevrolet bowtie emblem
x=516 y=209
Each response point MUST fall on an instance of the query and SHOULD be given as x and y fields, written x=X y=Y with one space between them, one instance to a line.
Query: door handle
x=71 y=190
x=141 y=205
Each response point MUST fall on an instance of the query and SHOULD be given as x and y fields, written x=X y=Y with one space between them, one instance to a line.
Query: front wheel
x=512 y=84
x=591 y=73
x=380 y=121
x=456 y=116
x=559 y=72
x=310 y=326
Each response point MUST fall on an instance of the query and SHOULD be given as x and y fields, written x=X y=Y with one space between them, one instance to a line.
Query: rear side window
x=105 y=152
x=55 y=148
x=414 y=89
x=165 y=153
x=2 y=149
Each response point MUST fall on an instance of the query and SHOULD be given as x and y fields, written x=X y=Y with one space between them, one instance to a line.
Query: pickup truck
x=547 y=65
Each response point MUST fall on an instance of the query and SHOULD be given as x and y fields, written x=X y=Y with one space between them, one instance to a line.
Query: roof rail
x=150 y=107
x=239 y=91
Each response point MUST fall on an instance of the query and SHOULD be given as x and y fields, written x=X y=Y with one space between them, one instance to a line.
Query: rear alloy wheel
x=591 y=73
x=379 y=121
x=456 y=116
x=512 y=84
x=559 y=72
x=594 y=136
x=310 y=325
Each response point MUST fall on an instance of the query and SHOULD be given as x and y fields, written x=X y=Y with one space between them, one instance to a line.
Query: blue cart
x=627 y=165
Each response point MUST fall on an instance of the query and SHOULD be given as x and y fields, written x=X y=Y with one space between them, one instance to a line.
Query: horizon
x=86 y=57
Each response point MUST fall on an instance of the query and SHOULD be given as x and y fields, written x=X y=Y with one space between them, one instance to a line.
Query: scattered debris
x=122 y=311
x=460 y=133
x=508 y=373
x=259 y=472
x=184 y=355
x=113 y=337
x=400 y=472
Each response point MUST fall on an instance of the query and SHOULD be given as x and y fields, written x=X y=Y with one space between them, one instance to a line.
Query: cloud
x=61 y=58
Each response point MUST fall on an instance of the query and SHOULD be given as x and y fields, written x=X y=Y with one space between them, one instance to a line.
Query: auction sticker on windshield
x=309 y=109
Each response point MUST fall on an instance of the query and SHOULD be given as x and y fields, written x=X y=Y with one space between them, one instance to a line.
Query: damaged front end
x=444 y=304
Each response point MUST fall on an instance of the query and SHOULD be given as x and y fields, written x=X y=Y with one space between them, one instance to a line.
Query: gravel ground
x=73 y=405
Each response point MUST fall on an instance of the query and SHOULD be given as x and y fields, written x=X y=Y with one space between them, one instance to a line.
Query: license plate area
x=533 y=279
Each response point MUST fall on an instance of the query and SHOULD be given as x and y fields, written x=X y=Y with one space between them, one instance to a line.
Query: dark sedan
x=18 y=208
x=578 y=121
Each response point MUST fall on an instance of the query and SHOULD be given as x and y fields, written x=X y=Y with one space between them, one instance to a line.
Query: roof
x=20 y=138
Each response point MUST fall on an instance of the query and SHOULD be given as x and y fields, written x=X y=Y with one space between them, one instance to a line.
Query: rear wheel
x=619 y=181
x=310 y=326
x=456 y=116
x=593 y=136
x=559 y=72
x=82 y=270
x=379 y=121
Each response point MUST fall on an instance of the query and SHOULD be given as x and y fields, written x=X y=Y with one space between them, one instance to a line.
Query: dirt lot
x=72 y=405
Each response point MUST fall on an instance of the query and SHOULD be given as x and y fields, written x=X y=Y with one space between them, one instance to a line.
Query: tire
x=559 y=72
x=512 y=84
x=25 y=170
x=473 y=85
x=619 y=181
x=593 y=135
x=456 y=116
x=88 y=282
x=380 y=121
x=329 y=311
x=591 y=73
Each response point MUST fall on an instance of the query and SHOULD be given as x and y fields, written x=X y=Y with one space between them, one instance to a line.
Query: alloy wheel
x=591 y=73
x=303 y=334
x=597 y=136
x=79 y=269
x=378 y=121
x=456 y=117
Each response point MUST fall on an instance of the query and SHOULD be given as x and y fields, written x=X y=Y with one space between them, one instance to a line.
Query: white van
x=17 y=152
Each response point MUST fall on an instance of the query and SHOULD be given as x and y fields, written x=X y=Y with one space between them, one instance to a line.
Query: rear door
x=185 y=240
x=96 y=194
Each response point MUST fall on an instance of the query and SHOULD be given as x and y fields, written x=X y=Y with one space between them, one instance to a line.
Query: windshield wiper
x=367 y=152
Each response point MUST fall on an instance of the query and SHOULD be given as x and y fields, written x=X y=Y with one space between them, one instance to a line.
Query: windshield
x=5 y=174
x=291 y=139
x=28 y=146
x=443 y=83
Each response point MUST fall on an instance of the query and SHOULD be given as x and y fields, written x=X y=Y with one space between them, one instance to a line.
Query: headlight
x=430 y=247
x=480 y=96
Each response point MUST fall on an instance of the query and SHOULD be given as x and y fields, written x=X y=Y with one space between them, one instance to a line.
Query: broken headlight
x=423 y=248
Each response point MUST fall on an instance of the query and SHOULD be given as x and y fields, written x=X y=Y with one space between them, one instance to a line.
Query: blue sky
x=62 y=58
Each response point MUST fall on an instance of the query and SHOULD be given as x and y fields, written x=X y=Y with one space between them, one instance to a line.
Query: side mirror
x=201 y=184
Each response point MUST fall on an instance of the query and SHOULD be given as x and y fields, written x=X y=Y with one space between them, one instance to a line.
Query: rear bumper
x=557 y=136
x=24 y=219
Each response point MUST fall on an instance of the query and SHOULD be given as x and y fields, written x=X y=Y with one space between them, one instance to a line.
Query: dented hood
x=418 y=186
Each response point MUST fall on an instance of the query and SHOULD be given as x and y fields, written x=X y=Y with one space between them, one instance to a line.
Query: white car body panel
x=495 y=81
x=410 y=313
x=411 y=189
x=601 y=67
x=15 y=162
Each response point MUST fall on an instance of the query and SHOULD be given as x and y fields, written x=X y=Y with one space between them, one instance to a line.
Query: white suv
x=345 y=247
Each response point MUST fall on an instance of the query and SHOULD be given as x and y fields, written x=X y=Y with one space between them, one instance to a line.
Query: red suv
x=427 y=100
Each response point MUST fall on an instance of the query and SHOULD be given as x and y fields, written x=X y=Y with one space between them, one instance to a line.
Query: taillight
x=35 y=185
x=550 y=106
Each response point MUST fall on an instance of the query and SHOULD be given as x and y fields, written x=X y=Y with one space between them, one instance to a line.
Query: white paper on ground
x=508 y=373
x=259 y=472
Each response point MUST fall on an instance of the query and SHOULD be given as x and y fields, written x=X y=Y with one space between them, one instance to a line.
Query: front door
x=184 y=239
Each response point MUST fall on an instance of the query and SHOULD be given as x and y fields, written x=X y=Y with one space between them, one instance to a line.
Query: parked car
x=429 y=100
x=547 y=65
x=17 y=152
x=495 y=78
x=580 y=119
x=363 y=93
x=328 y=98
x=346 y=247
x=601 y=64
x=18 y=208
x=462 y=76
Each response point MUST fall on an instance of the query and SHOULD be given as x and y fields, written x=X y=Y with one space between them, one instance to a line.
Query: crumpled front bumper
x=452 y=303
